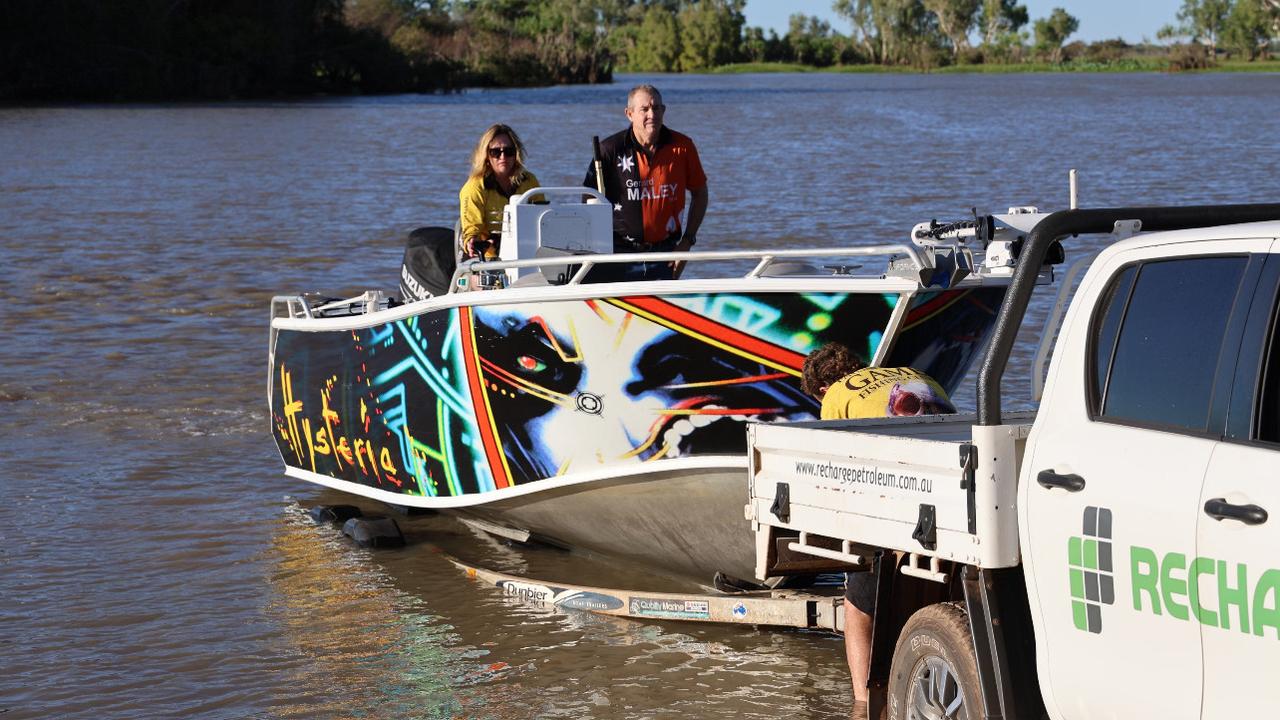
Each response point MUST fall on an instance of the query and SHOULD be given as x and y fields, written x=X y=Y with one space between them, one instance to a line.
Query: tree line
x=1246 y=27
x=160 y=49
x=672 y=35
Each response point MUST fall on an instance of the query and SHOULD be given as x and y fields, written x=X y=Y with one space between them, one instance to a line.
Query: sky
x=1131 y=20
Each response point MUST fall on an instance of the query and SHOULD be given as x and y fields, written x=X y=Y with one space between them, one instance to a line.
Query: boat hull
x=688 y=523
x=600 y=419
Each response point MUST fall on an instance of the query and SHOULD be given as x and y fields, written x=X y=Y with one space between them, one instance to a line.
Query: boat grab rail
x=295 y=305
x=765 y=258
x=298 y=307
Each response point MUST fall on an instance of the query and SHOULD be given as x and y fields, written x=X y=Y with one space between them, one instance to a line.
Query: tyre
x=935 y=674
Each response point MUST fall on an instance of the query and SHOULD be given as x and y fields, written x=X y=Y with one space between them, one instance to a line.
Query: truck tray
x=922 y=485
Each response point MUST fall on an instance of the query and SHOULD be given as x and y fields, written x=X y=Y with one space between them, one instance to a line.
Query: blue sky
x=1099 y=19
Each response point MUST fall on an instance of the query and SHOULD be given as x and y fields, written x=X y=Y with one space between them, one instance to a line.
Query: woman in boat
x=497 y=173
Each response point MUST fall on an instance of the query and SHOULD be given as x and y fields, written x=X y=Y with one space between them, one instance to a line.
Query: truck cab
x=1110 y=555
x=1147 y=479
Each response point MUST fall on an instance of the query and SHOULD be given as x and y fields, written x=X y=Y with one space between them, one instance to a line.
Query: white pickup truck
x=1108 y=556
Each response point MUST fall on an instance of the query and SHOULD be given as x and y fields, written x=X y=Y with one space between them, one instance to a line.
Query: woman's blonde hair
x=480 y=158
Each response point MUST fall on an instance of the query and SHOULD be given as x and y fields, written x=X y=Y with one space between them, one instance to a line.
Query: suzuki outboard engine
x=429 y=263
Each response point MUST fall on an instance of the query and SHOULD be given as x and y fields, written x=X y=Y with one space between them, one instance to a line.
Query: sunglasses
x=497 y=152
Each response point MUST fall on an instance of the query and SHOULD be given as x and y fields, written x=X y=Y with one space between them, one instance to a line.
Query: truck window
x=1104 y=337
x=1267 y=425
x=1163 y=361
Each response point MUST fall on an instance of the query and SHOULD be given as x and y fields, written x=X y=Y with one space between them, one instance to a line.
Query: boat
x=609 y=417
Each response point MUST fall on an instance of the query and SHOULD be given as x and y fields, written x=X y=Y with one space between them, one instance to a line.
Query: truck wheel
x=935 y=674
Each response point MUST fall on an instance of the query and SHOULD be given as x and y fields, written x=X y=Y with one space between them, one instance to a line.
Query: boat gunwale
x=552 y=293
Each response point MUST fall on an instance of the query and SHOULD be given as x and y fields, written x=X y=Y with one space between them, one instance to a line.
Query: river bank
x=1125 y=66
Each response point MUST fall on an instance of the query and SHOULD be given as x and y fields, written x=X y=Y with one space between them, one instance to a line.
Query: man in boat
x=847 y=389
x=647 y=170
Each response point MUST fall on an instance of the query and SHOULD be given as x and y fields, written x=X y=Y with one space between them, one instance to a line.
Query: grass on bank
x=1246 y=66
x=1127 y=65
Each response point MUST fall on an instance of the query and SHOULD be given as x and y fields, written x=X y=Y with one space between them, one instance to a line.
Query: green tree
x=571 y=37
x=956 y=19
x=1053 y=31
x=754 y=46
x=888 y=16
x=908 y=32
x=878 y=25
x=921 y=41
x=158 y=49
x=412 y=30
x=1203 y=21
x=1000 y=17
x=1169 y=32
x=1001 y=22
x=811 y=40
x=530 y=42
x=865 y=33
x=1249 y=27
x=657 y=46
x=710 y=33
x=625 y=34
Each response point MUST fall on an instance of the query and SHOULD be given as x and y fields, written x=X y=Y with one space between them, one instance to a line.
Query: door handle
x=1050 y=479
x=1220 y=509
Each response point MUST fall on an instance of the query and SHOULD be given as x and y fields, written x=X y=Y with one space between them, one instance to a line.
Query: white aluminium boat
x=609 y=416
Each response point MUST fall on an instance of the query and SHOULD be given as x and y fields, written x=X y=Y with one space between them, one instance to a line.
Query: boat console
x=554 y=222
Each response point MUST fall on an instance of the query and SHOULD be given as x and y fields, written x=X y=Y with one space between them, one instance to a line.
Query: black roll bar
x=1071 y=222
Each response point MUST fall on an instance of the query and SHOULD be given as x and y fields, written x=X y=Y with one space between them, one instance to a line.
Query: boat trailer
x=812 y=608
x=771 y=608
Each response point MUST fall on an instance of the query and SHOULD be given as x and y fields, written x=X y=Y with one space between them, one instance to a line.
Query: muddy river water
x=155 y=561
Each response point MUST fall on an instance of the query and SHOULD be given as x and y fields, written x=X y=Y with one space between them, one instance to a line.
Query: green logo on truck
x=1168 y=584
x=1089 y=561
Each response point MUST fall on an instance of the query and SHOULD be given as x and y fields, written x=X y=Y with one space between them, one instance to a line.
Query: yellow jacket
x=481 y=202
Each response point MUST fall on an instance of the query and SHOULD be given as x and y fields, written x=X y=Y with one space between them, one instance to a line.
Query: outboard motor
x=429 y=263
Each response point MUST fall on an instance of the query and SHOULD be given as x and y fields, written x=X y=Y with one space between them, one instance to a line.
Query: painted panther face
x=585 y=384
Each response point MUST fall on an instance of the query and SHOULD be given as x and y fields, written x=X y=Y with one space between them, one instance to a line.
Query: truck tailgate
x=896 y=483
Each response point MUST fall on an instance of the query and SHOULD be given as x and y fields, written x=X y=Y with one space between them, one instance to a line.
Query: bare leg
x=857 y=649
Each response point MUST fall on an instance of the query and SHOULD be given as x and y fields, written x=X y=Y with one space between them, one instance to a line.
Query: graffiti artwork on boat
x=473 y=399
